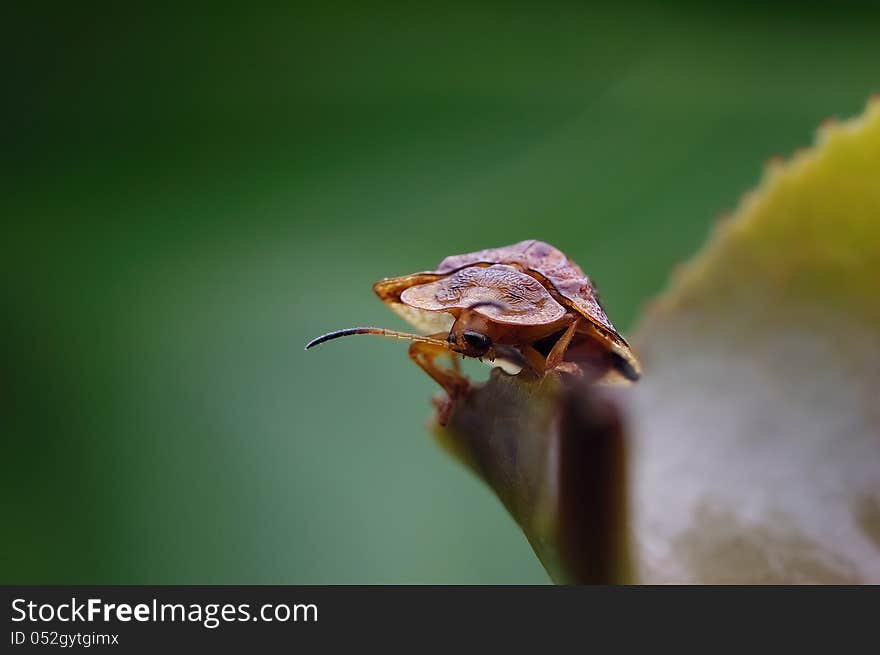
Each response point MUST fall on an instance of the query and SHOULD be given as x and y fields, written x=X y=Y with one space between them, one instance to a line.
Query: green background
x=189 y=196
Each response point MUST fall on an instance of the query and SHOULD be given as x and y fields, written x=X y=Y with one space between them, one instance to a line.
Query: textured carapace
x=511 y=297
x=559 y=272
x=430 y=300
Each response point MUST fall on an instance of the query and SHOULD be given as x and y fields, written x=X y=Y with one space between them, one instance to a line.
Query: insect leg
x=535 y=361
x=557 y=353
x=452 y=381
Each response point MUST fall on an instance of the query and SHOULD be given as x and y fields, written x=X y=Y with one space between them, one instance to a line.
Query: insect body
x=526 y=306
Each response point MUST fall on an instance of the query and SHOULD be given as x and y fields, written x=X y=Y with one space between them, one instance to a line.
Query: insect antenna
x=382 y=332
x=395 y=334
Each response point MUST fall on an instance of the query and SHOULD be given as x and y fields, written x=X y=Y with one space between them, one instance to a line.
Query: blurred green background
x=188 y=196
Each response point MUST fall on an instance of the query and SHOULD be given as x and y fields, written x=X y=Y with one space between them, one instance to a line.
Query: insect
x=526 y=307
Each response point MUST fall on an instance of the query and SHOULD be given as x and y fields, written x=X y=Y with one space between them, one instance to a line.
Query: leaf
x=754 y=436
x=756 y=430
x=555 y=456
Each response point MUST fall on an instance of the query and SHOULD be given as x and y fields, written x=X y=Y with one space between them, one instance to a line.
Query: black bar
x=459 y=619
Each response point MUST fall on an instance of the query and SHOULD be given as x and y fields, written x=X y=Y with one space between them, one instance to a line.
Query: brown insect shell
x=509 y=306
x=562 y=279
x=558 y=273
x=565 y=280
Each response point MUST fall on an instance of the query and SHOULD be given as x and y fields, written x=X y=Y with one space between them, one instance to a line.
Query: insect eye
x=477 y=340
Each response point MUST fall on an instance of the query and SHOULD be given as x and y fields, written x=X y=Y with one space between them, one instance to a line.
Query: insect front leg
x=557 y=353
x=453 y=382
